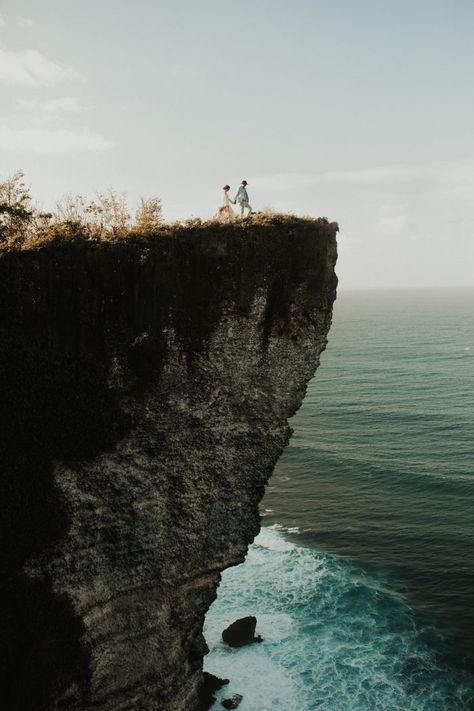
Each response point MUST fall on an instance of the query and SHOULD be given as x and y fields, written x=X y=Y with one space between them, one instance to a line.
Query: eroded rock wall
x=146 y=387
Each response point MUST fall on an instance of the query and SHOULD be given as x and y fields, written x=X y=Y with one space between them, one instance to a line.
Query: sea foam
x=335 y=638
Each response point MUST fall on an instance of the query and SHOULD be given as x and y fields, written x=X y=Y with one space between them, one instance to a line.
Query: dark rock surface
x=210 y=685
x=233 y=702
x=145 y=388
x=241 y=632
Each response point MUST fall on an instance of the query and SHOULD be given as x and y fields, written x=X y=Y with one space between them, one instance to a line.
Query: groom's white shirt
x=242 y=195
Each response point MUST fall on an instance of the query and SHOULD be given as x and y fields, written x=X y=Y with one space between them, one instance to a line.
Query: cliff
x=145 y=389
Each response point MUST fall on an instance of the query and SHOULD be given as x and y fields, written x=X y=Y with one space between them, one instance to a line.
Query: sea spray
x=335 y=638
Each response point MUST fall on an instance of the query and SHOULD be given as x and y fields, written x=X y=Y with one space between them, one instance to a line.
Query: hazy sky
x=359 y=110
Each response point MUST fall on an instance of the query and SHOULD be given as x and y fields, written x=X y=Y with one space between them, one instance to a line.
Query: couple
x=225 y=212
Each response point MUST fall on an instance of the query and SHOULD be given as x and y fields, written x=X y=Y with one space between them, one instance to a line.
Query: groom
x=243 y=199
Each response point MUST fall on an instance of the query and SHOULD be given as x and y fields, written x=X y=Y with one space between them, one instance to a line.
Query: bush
x=16 y=213
x=105 y=217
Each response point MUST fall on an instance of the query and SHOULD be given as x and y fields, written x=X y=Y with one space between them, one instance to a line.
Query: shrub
x=148 y=217
x=16 y=212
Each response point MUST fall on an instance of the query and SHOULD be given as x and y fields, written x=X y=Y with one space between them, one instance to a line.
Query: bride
x=225 y=213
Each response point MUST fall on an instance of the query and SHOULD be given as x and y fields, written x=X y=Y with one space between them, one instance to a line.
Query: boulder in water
x=233 y=702
x=241 y=632
x=210 y=685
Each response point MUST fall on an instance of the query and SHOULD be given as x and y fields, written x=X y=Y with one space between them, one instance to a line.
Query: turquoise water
x=362 y=577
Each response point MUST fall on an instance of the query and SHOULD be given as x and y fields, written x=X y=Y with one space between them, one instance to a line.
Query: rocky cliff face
x=145 y=391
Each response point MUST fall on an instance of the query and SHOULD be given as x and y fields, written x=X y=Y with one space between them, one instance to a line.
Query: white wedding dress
x=225 y=212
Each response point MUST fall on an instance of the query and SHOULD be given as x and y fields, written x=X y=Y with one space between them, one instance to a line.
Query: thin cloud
x=51 y=107
x=186 y=73
x=25 y=22
x=46 y=127
x=44 y=141
x=379 y=174
x=391 y=226
x=30 y=68
x=284 y=181
x=443 y=173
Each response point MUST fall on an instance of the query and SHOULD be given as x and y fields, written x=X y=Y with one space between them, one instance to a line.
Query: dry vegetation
x=105 y=218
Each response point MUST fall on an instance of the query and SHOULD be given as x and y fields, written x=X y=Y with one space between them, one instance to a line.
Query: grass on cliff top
x=69 y=232
x=106 y=218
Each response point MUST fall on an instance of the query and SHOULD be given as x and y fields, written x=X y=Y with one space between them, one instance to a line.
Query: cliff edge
x=145 y=390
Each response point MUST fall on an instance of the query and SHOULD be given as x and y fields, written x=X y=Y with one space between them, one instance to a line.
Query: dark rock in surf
x=241 y=632
x=233 y=702
x=210 y=685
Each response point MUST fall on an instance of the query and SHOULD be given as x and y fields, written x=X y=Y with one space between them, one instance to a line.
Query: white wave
x=334 y=638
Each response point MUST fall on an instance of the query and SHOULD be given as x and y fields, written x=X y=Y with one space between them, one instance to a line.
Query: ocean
x=362 y=576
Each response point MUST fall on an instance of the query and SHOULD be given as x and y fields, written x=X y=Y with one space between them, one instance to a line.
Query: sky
x=358 y=110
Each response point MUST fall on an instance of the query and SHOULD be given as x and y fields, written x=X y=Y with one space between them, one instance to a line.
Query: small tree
x=148 y=216
x=104 y=217
x=106 y=214
x=16 y=211
x=111 y=208
x=71 y=208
